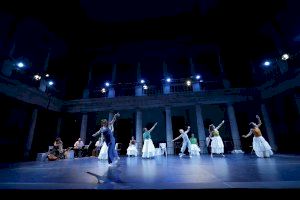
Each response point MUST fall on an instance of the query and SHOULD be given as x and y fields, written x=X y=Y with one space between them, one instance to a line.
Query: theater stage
x=233 y=171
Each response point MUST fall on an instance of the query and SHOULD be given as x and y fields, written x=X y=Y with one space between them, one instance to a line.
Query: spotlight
x=267 y=63
x=50 y=83
x=103 y=90
x=188 y=83
x=198 y=77
x=145 y=87
x=142 y=81
x=47 y=75
x=37 y=77
x=285 y=56
x=168 y=80
x=20 y=64
x=107 y=84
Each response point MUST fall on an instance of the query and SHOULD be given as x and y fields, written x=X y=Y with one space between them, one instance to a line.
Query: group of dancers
x=108 y=150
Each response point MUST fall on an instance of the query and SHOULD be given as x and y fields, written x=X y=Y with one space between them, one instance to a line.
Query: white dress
x=261 y=147
x=103 y=155
x=217 y=145
x=132 y=150
x=148 y=147
x=195 y=150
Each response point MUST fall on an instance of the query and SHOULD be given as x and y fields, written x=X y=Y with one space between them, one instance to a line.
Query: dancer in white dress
x=103 y=155
x=186 y=142
x=104 y=149
x=132 y=150
x=260 y=145
x=148 y=147
x=217 y=145
x=195 y=150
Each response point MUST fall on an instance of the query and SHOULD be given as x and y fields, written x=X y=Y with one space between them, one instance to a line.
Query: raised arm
x=259 y=121
x=114 y=119
x=250 y=133
x=188 y=129
x=220 y=125
x=177 y=138
x=97 y=133
x=153 y=127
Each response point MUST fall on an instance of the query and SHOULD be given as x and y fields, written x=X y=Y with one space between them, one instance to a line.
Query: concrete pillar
x=138 y=130
x=7 y=68
x=111 y=92
x=297 y=100
x=86 y=93
x=31 y=133
x=166 y=88
x=83 y=127
x=110 y=115
x=43 y=85
x=234 y=129
x=196 y=87
x=201 y=130
x=58 y=127
x=267 y=122
x=139 y=90
x=169 y=131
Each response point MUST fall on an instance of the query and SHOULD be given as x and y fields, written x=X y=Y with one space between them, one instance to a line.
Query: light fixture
x=47 y=75
x=50 y=83
x=168 y=79
x=142 y=81
x=267 y=63
x=285 y=56
x=145 y=87
x=198 y=77
x=20 y=64
x=37 y=77
x=107 y=84
x=103 y=90
x=188 y=83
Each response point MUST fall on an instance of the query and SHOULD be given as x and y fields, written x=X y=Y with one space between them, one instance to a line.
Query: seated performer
x=132 y=150
x=260 y=145
x=78 y=148
x=195 y=150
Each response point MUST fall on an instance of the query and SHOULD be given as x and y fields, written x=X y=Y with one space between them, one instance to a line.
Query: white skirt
x=195 y=150
x=103 y=155
x=148 y=149
x=261 y=147
x=217 y=145
x=132 y=150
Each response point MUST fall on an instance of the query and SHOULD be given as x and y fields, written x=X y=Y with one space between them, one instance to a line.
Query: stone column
x=31 y=133
x=201 y=130
x=83 y=127
x=267 y=122
x=166 y=85
x=110 y=115
x=234 y=129
x=58 y=127
x=138 y=130
x=7 y=68
x=297 y=100
x=43 y=82
x=138 y=87
x=169 y=131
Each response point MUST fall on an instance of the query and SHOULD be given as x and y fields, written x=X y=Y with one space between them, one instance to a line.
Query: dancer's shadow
x=111 y=176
